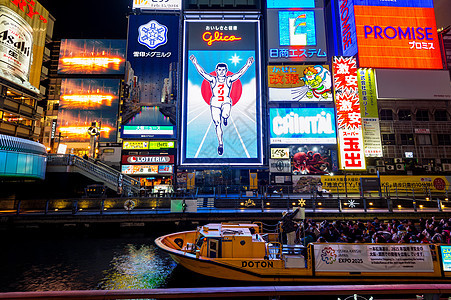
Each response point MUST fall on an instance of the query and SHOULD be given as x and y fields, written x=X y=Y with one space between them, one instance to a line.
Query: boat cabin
x=230 y=241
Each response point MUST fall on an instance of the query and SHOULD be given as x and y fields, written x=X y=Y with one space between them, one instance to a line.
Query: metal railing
x=109 y=176
x=428 y=292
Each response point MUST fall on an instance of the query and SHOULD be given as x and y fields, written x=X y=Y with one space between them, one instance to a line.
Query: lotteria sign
x=302 y=126
x=147 y=159
x=388 y=35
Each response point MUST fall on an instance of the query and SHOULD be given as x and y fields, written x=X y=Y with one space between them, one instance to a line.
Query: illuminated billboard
x=92 y=57
x=145 y=145
x=23 y=55
x=152 y=50
x=389 y=37
x=299 y=83
x=292 y=3
x=158 y=4
x=84 y=101
x=370 y=115
x=348 y=31
x=302 y=126
x=349 y=120
x=147 y=159
x=148 y=123
x=296 y=35
x=221 y=107
x=146 y=169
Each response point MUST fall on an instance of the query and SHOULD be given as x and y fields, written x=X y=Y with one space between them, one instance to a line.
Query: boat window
x=200 y=241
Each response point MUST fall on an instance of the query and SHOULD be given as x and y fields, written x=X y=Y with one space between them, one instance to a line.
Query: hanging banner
x=299 y=83
x=370 y=116
x=373 y=258
x=349 y=120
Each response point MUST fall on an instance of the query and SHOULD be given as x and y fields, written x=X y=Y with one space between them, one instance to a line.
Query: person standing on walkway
x=289 y=226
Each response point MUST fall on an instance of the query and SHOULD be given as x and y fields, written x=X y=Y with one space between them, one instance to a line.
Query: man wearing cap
x=289 y=226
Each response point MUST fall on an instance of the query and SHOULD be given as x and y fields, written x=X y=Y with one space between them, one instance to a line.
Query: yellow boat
x=243 y=252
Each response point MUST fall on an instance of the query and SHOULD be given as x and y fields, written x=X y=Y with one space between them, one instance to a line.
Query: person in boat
x=289 y=227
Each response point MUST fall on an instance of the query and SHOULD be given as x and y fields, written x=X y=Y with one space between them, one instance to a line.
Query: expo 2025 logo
x=328 y=255
x=152 y=35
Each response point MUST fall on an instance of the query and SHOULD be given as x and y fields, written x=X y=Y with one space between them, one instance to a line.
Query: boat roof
x=226 y=229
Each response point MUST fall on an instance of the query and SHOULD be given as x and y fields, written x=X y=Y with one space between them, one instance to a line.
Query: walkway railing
x=428 y=292
x=109 y=176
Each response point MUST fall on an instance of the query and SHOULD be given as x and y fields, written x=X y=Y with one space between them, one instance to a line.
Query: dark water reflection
x=73 y=262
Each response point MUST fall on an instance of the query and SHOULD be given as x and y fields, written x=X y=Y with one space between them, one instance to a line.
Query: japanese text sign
x=349 y=120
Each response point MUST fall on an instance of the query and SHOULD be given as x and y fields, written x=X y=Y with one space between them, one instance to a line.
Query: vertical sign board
x=388 y=35
x=349 y=122
x=347 y=27
x=152 y=50
x=369 y=112
x=297 y=32
x=221 y=108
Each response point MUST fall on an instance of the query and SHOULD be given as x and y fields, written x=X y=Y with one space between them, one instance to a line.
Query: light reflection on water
x=138 y=267
x=82 y=263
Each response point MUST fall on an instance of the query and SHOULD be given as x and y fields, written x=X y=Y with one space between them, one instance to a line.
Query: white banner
x=158 y=4
x=372 y=258
x=280 y=166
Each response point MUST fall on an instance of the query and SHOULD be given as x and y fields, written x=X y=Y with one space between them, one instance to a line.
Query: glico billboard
x=302 y=126
x=397 y=34
x=84 y=101
x=296 y=33
x=221 y=107
x=92 y=57
x=23 y=28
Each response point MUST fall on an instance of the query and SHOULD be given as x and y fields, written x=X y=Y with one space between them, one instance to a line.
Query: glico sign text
x=217 y=36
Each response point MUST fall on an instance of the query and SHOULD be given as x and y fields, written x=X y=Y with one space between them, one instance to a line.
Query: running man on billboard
x=221 y=85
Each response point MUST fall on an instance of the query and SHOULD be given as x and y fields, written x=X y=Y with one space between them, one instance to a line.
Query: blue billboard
x=302 y=126
x=152 y=51
x=290 y=4
x=348 y=31
x=446 y=258
x=221 y=107
x=397 y=3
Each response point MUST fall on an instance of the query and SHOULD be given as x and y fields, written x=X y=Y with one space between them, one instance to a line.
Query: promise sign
x=349 y=121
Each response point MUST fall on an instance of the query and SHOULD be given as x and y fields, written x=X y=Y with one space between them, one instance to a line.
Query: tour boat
x=243 y=252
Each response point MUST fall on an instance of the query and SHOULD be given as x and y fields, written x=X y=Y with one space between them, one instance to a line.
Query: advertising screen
x=296 y=35
x=302 y=126
x=84 y=101
x=221 y=107
x=292 y=4
x=152 y=50
x=389 y=37
x=299 y=83
x=92 y=57
x=348 y=31
x=446 y=258
x=148 y=123
x=144 y=145
x=349 y=120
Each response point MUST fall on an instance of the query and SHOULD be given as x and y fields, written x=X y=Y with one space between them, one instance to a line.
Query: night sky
x=96 y=19
x=99 y=19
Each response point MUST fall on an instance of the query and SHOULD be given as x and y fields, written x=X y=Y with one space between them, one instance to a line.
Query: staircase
x=94 y=170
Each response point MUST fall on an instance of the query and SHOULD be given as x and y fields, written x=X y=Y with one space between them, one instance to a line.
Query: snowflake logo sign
x=153 y=35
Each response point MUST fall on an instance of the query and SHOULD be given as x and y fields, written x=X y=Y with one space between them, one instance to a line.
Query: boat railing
x=274 y=250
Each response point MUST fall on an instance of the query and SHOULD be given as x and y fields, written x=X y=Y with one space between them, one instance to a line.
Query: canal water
x=105 y=260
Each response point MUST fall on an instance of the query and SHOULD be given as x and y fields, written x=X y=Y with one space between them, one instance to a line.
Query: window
x=386 y=114
x=422 y=115
x=407 y=139
x=440 y=115
x=424 y=139
x=388 y=139
x=444 y=139
x=404 y=115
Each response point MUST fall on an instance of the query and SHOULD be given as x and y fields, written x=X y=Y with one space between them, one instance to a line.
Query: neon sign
x=218 y=37
x=348 y=114
x=21 y=4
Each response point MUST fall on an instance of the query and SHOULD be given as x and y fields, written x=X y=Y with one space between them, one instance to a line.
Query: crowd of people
x=373 y=231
